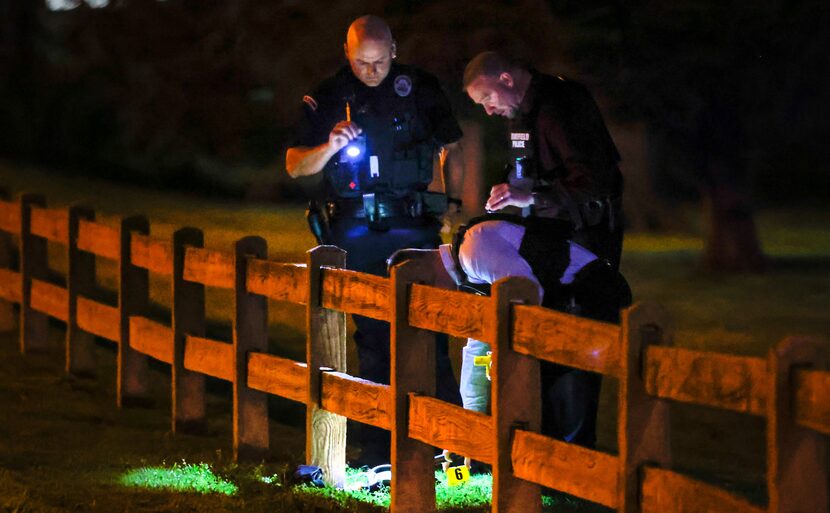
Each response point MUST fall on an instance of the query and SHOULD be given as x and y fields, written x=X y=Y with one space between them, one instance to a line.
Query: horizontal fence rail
x=789 y=388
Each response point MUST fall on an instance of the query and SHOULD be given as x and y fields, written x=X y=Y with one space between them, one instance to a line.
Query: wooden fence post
x=133 y=299
x=34 y=264
x=412 y=361
x=250 y=333
x=325 y=348
x=80 y=280
x=188 y=318
x=796 y=455
x=515 y=399
x=642 y=420
x=7 y=318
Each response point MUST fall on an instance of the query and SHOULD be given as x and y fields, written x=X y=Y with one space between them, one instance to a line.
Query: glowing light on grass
x=475 y=492
x=181 y=478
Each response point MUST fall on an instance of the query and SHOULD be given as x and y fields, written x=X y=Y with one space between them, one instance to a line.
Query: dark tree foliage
x=173 y=92
x=747 y=80
x=732 y=93
x=167 y=93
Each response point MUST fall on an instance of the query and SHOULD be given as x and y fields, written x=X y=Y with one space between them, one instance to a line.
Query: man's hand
x=504 y=195
x=306 y=161
x=342 y=133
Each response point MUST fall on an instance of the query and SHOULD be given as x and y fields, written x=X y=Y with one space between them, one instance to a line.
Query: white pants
x=488 y=253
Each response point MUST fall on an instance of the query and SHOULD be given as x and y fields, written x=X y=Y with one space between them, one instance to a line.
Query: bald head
x=370 y=49
x=368 y=27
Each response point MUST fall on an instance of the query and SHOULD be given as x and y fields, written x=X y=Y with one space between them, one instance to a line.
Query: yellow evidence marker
x=484 y=361
x=458 y=475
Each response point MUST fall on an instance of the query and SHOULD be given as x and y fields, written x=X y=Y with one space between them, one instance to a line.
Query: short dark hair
x=487 y=64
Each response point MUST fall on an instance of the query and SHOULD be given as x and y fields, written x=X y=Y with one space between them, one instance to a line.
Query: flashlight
x=355 y=149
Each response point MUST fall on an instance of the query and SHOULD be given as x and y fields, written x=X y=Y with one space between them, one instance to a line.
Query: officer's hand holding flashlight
x=504 y=195
x=343 y=133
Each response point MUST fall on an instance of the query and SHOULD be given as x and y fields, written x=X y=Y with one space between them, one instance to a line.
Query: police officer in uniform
x=563 y=188
x=370 y=134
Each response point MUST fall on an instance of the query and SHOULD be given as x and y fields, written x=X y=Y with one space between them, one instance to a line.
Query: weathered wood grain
x=98 y=319
x=209 y=267
x=51 y=223
x=451 y=427
x=155 y=255
x=664 y=491
x=797 y=469
x=642 y=419
x=211 y=357
x=11 y=285
x=812 y=399
x=80 y=280
x=278 y=376
x=132 y=379
x=325 y=347
x=278 y=281
x=188 y=319
x=53 y=300
x=566 y=339
x=8 y=316
x=251 y=439
x=412 y=370
x=34 y=264
x=456 y=313
x=582 y=472
x=10 y=217
x=151 y=338
x=514 y=376
x=357 y=399
x=356 y=293
x=736 y=383
x=98 y=239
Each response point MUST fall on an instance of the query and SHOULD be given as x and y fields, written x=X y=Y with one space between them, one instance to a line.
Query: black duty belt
x=386 y=207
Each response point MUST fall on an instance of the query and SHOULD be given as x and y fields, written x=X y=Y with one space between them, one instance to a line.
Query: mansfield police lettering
x=518 y=139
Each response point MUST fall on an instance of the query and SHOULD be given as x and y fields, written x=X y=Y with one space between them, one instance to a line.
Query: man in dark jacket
x=556 y=217
x=564 y=164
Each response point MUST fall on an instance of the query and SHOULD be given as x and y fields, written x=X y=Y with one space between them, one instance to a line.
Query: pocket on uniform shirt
x=405 y=174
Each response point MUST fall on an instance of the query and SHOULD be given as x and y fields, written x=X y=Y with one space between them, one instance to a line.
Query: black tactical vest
x=399 y=149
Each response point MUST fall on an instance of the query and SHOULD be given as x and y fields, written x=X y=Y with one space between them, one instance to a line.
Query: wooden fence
x=788 y=388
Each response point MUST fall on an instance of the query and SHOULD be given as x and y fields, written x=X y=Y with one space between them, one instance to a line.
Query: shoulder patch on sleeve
x=311 y=102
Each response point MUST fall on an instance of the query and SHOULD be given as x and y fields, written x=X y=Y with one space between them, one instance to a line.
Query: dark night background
x=723 y=102
x=719 y=108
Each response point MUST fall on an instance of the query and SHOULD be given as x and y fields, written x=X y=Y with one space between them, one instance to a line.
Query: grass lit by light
x=182 y=477
x=475 y=492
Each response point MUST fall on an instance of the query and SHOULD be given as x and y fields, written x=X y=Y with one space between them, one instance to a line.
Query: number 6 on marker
x=458 y=475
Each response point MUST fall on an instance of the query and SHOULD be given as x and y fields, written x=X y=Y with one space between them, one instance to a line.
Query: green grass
x=180 y=477
x=474 y=493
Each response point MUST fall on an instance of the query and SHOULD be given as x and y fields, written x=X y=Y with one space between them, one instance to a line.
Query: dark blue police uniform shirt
x=326 y=106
